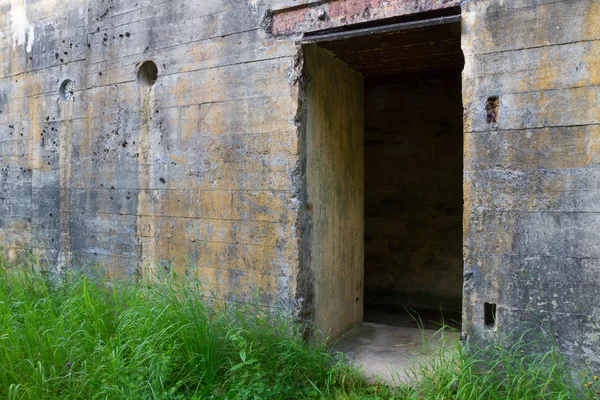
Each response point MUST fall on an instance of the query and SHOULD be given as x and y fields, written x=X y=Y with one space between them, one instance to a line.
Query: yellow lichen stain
x=210 y=232
x=189 y=121
x=86 y=138
x=180 y=92
x=15 y=238
x=145 y=209
x=467 y=184
x=235 y=286
x=591 y=22
x=64 y=166
x=591 y=60
x=178 y=160
x=592 y=145
x=545 y=76
x=36 y=110
x=219 y=265
x=210 y=243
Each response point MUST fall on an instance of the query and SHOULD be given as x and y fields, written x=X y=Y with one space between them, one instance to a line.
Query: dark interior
x=413 y=200
x=413 y=173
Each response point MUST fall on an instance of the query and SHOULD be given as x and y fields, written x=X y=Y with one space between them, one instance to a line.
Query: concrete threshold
x=390 y=353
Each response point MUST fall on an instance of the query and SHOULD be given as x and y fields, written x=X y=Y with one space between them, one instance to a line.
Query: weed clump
x=83 y=339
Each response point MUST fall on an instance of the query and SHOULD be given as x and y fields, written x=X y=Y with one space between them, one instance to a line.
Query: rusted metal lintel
x=377 y=30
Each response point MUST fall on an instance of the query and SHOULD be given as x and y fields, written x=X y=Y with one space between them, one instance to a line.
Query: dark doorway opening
x=413 y=199
x=384 y=171
x=413 y=162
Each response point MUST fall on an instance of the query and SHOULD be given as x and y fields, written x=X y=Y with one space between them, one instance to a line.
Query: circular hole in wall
x=147 y=74
x=67 y=90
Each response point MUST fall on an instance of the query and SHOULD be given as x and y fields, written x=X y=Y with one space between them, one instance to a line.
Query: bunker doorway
x=384 y=168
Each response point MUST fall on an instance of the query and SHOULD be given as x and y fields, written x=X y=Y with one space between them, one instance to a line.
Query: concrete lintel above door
x=332 y=14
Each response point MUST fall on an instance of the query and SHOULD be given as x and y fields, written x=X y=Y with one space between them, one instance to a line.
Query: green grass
x=85 y=339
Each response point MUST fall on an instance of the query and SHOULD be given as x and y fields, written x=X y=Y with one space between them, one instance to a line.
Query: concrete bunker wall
x=203 y=168
x=335 y=191
x=198 y=172
x=531 y=172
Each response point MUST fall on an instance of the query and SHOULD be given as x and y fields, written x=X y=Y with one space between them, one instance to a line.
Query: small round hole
x=67 y=90
x=148 y=74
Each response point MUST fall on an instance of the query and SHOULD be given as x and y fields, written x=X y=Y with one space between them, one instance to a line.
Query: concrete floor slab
x=389 y=352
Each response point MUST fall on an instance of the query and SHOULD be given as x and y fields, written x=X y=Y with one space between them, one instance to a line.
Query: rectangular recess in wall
x=489 y=312
x=492 y=109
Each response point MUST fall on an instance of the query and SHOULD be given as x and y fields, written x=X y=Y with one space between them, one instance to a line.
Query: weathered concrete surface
x=413 y=193
x=199 y=173
x=204 y=172
x=334 y=246
x=531 y=179
x=392 y=354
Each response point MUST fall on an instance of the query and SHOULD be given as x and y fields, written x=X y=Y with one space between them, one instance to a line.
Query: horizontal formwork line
x=19 y=139
x=554 y=257
x=106 y=253
x=109 y=17
x=559 y=89
x=179 y=239
x=490 y=131
x=43 y=120
x=135 y=112
x=150 y=216
x=544 y=311
x=494 y=75
x=114 y=27
x=19 y=155
x=229 y=65
x=134 y=79
x=24 y=202
x=159 y=49
x=530 y=170
x=178 y=217
x=141 y=260
x=58 y=66
x=534 y=6
x=38 y=229
x=86 y=53
x=171 y=191
x=282 y=224
x=39 y=245
x=197 y=191
x=534 y=128
x=480 y=210
x=245 y=303
x=246 y=272
x=190 y=71
x=532 y=47
x=107 y=234
x=246 y=159
x=165 y=190
x=520 y=92
x=275 y=96
x=215 y=136
x=285 y=224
